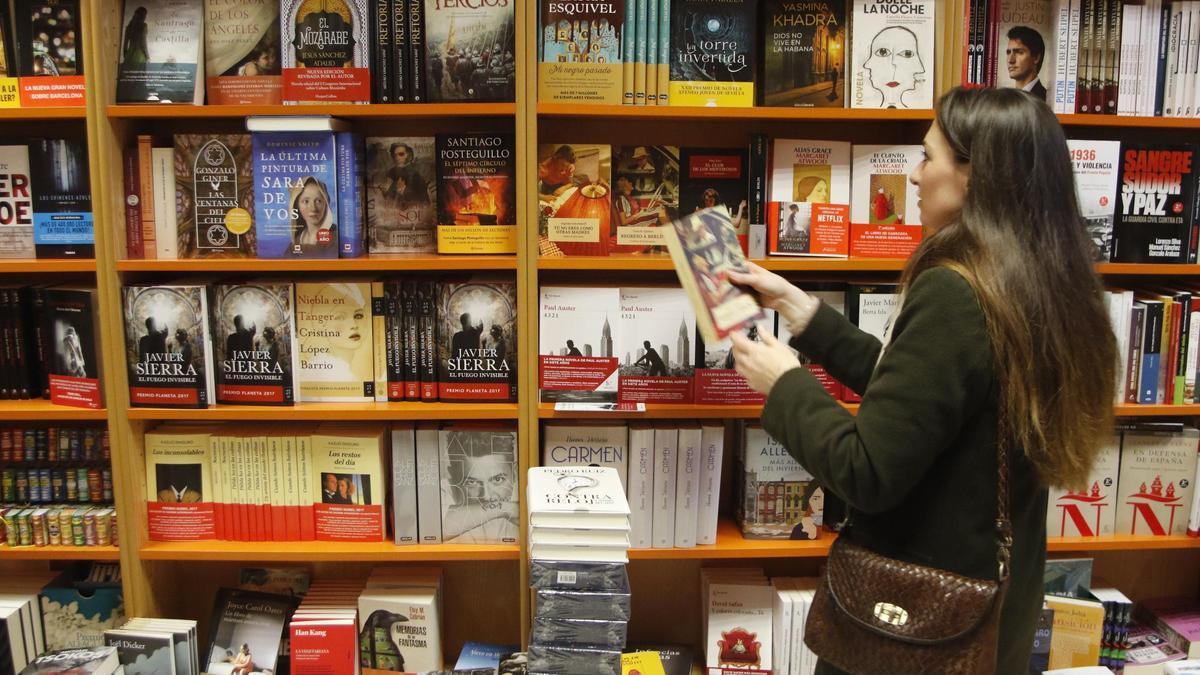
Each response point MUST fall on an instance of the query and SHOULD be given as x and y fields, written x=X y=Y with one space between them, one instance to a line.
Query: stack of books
x=578 y=513
x=156 y=646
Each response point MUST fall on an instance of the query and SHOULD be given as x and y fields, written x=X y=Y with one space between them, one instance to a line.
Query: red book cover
x=180 y=522
x=654 y=345
x=349 y=463
x=576 y=357
x=321 y=647
x=883 y=240
x=717 y=383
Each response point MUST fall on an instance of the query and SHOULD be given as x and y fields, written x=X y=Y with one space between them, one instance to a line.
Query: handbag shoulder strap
x=1004 y=538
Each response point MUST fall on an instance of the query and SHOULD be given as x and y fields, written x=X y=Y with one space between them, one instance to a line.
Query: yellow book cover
x=348 y=467
x=1078 y=628
x=333 y=321
x=379 y=335
x=582 y=52
x=642 y=663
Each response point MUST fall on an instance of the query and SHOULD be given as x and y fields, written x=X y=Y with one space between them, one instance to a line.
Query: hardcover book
x=881 y=192
x=168 y=346
x=480 y=485
x=348 y=465
x=180 y=490
x=1155 y=485
x=574 y=204
x=892 y=54
x=1095 y=164
x=713 y=52
x=645 y=192
x=739 y=625
x=16 y=203
x=476 y=193
x=351 y=183
x=71 y=326
x=581 y=52
x=401 y=194
x=1154 y=219
x=576 y=359
x=214 y=196
x=469 y=49
x=1023 y=29
x=590 y=445
x=325 y=51
x=779 y=498
x=161 y=51
x=256 y=354
x=582 y=497
x=654 y=343
x=241 y=52
x=804 y=54
x=716 y=177
x=247 y=627
x=62 y=199
x=399 y=630
x=333 y=322
x=47 y=33
x=295 y=195
x=477 y=340
x=1092 y=511
x=143 y=652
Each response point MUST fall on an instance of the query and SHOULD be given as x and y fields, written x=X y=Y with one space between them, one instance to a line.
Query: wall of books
x=294 y=294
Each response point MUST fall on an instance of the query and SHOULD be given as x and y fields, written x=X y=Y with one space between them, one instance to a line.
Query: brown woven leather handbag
x=875 y=614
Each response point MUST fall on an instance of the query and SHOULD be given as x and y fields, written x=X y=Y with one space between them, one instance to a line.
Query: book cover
x=892 y=54
x=1039 y=659
x=401 y=194
x=321 y=645
x=1092 y=511
x=640 y=485
x=247 y=628
x=871 y=307
x=71 y=325
x=143 y=652
x=654 y=343
x=810 y=171
x=583 y=497
x=590 y=445
x=404 y=484
x=477 y=340
x=399 y=630
x=581 y=52
x=100 y=660
x=704 y=250
x=348 y=465
x=480 y=655
x=214 y=196
x=161 y=50
x=62 y=199
x=645 y=193
x=179 y=485
x=325 y=51
x=480 y=485
x=739 y=625
x=333 y=323
x=1154 y=218
x=168 y=346
x=1147 y=649
x=804 y=54
x=713 y=53
x=1077 y=632
x=1095 y=165
x=470 y=48
x=576 y=359
x=1155 y=484
x=780 y=500
x=1027 y=39
x=47 y=37
x=716 y=177
x=241 y=52
x=881 y=193
x=295 y=195
x=16 y=203
x=476 y=193
x=574 y=204
x=717 y=382
x=1177 y=619
x=255 y=348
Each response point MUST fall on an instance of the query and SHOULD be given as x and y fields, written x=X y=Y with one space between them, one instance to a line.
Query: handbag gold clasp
x=891 y=614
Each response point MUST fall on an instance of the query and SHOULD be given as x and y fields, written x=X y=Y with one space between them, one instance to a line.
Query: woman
x=134 y=49
x=997 y=301
x=813 y=190
x=312 y=219
x=243 y=663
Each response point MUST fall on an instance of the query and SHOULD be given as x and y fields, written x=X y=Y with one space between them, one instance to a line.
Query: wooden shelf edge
x=778 y=263
x=1129 y=121
x=40 y=409
x=762 y=113
x=59 y=553
x=334 y=411
x=53 y=113
x=365 y=264
x=1147 y=410
x=669 y=411
x=172 y=111
x=47 y=265
x=322 y=551
x=1121 y=543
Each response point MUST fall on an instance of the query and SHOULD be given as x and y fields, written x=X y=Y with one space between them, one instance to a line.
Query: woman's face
x=819 y=194
x=894 y=64
x=941 y=182
x=312 y=206
x=349 y=322
x=343 y=487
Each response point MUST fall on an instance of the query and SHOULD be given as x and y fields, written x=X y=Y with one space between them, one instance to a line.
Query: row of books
x=45 y=199
x=332 y=483
x=272 y=342
x=166 y=646
x=48 y=345
x=43 y=612
x=291 y=52
x=318 y=194
x=75 y=484
x=738 y=54
x=53 y=444
x=58 y=525
x=1158 y=338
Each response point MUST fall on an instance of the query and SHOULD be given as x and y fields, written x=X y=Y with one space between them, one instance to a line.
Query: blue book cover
x=481 y=655
x=351 y=171
x=62 y=199
x=295 y=194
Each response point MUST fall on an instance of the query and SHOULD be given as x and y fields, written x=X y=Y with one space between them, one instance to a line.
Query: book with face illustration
x=348 y=469
x=891 y=54
x=480 y=482
x=333 y=321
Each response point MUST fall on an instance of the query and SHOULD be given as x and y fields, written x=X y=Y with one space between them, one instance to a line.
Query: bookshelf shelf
x=1123 y=542
x=35 y=114
x=669 y=411
x=1122 y=121
x=47 y=266
x=334 y=411
x=662 y=262
x=43 y=410
x=398 y=263
x=1135 y=269
x=1139 y=410
x=324 y=551
x=59 y=553
x=686 y=113
x=374 y=110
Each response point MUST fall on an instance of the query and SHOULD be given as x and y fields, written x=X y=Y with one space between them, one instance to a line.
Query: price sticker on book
x=237 y=221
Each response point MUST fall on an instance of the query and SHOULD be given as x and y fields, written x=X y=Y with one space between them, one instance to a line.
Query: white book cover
x=480 y=485
x=577 y=497
x=1155 y=485
x=1072 y=55
x=1155 y=41
x=882 y=193
x=712 y=454
x=1096 y=165
x=781 y=625
x=16 y=228
x=590 y=445
x=1022 y=23
x=400 y=626
x=655 y=343
x=1092 y=511
x=1188 y=72
x=780 y=499
x=559 y=536
x=576 y=357
x=1131 y=37
x=574 y=553
x=1171 y=78
x=163 y=183
x=1062 y=30
x=739 y=626
x=404 y=484
x=810 y=171
x=1193 y=527
x=891 y=57
x=641 y=486
x=687 y=485
x=666 y=449
x=429 y=481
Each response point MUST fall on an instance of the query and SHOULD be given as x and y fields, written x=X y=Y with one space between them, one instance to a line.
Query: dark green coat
x=917 y=465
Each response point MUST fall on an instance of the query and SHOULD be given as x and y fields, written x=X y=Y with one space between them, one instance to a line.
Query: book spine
x=416 y=50
x=666 y=449
x=1160 y=73
x=1193 y=352
x=134 y=248
x=146 y=195
x=380 y=336
x=382 y=51
x=712 y=454
x=1113 y=90
x=664 y=51
x=1133 y=364
x=1170 y=98
x=651 y=52
x=166 y=237
x=687 y=486
x=21 y=373
x=639 y=58
x=1100 y=57
x=968 y=56
x=409 y=342
x=427 y=338
x=641 y=486
x=351 y=168
x=758 y=179
x=429 y=492
x=1193 y=528
x=628 y=49
x=404 y=491
x=401 y=58
x=396 y=380
x=29 y=323
x=1083 y=80
x=1070 y=86
x=41 y=344
x=1167 y=345
x=1184 y=337
x=993 y=41
x=1130 y=18
x=7 y=344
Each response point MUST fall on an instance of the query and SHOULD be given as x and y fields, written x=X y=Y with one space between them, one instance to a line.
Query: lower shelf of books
x=324 y=551
x=334 y=411
x=59 y=553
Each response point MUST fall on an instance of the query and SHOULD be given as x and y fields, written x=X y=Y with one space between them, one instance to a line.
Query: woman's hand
x=762 y=364
x=774 y=292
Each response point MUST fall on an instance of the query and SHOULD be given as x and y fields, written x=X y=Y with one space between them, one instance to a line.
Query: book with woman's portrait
x=336 y=334
x=295 y=194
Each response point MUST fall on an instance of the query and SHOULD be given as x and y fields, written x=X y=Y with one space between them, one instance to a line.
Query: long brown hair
x=1022 y=245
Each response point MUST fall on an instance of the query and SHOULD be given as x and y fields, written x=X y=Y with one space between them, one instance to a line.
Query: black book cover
x=254 y=342
x=71 y=324
x=62 y=198
x=394 y=341
x=382 y=51
x=48 y=37
x=39 y=349
x=250 y=620
x=22 y=375
x=713 y=52
x=476 y=341
x=166 y=345
x=715 y=177
x=9 y=66
x=401 y=58
x=427 y=338
x=7 y=353
x=804 y=54
x=409 y=311
x=418 y=82
x=1156 y=210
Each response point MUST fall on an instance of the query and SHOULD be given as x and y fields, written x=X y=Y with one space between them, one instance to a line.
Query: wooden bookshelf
x=38 y=114
x=1141 y=410
x=41 y=410
x=1134 y=122
x=376 y=263
x=334 y=411
x=669 y=411
x=388 y=111
x=1122 y=542
x=1143 y=269
x=661 y=262
x=323 y=551
x=59 y=553
x=47 y=266
x=768 y=114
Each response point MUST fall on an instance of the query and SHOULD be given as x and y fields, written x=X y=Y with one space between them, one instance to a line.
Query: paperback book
x=179 y=485
x=16 y=203
x=214 y=196
x=574 y=204
x=325 y=51
x=713 y=52
x=168 y=347
x=587 y=445
x=469 y=50
x=401 y=194
x=1155 y=215
x=1155 y=485
x=256 y=354
x=716 y=177
x=476 y=193
x=47 y=38
x=892 y=54
x=333 y=323
x=654 y=343
x=717 y=380
x=161 y=53
x=881 y=192
x=576 y=357
x=779 y=498
x=295 y=195
x=804 y=54
x=247 y=627
x=477 y=340
x=1021 y=29
x=645 y=193
x=241 y=52
x=348 y=465
x=1095 y=165
x=143 y=653
x=1089 y=512
x=62 y=199
x=580 y=60
x=480 y=485
x=71 y=324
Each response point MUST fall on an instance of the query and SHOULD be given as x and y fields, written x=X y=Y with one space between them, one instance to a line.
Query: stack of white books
x=578 y=513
